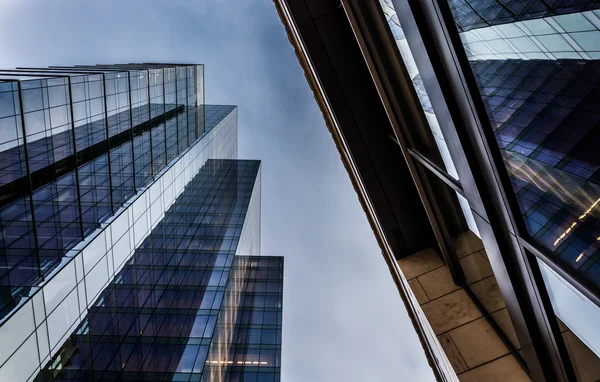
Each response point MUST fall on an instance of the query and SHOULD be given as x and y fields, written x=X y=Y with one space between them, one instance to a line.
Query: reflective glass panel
x=541 y=90
x=184 y=307
x=577 y=319
x=75 y=147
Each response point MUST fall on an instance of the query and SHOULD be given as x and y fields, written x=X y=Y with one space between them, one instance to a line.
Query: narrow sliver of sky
x=343 y=318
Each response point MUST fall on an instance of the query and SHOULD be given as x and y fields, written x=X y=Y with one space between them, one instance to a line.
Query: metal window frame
x=289 y=11
x=20 y=74
x=454 y=96
x=390 y=75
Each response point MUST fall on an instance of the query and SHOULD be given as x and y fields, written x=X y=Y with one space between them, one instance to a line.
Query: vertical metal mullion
x=196 y=98
x=203 y=101
x=176 y=114
x=30 y=184
x=149 y=118
x=187 y=119
x=467 y=131
x=75 y=155
x=131 y=130
x=163 y=116
x=107 y=145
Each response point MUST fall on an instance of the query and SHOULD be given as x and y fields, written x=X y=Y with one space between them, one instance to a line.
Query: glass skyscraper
x=130 y=231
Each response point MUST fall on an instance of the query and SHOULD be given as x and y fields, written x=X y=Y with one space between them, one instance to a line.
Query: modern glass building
x=469 y=129
x=130 y=231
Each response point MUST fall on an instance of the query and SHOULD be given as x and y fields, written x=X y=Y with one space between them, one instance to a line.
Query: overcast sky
x=343 y=318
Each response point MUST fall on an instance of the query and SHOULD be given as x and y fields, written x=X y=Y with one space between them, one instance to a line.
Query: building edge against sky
x=139 y=133
x=485 y=115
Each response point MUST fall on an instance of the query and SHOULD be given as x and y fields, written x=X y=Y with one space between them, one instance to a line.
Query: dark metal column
x=176 y=115
x=429 y=30
x=163 y=118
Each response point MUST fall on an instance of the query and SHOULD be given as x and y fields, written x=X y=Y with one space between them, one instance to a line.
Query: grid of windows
x=538 y=73
x=18 y=232
x=76 y=145
x=156 y=319
x=246 y=345
x=471 y=14
x=545 y=118
x=570 y=36
x=91 y=134
x=157 y=109
x=138 y=83
x=118 y=121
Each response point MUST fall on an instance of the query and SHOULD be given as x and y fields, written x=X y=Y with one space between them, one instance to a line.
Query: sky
x=343 y=317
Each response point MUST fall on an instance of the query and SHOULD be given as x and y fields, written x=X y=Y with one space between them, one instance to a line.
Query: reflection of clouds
x=538 y=39
x=580 y=197
x=392 y=19
x=422 y=93
x=565 y=187
x=221 y=347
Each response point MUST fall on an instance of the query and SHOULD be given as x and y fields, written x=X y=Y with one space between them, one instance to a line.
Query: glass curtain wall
x=535 y=66
x=184 y=307
x=76 y=144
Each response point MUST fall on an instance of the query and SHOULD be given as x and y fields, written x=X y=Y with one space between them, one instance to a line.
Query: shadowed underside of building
x=468 y=129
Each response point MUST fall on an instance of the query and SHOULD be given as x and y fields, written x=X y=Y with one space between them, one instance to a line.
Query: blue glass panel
x=158 y=317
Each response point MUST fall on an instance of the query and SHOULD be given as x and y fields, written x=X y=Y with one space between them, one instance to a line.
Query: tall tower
x=130 y=231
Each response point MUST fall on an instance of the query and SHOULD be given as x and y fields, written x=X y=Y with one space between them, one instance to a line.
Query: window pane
x=542 y=108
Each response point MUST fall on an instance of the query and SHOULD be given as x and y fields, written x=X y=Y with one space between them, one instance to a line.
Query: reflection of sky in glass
x=572 y=36
x=162 y=315
x=90 y=141
x=538 y=72
x=413 y=71
x=411 y=66
x=540 y=82
x=544 y=115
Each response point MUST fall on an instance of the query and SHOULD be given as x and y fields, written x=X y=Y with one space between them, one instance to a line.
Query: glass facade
x=544 y=115
x=122 y=207
x=538 y=73
x=535 y=67
x=246 y=344
x=76 y=144
x=184 y=307
x=472 y=14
